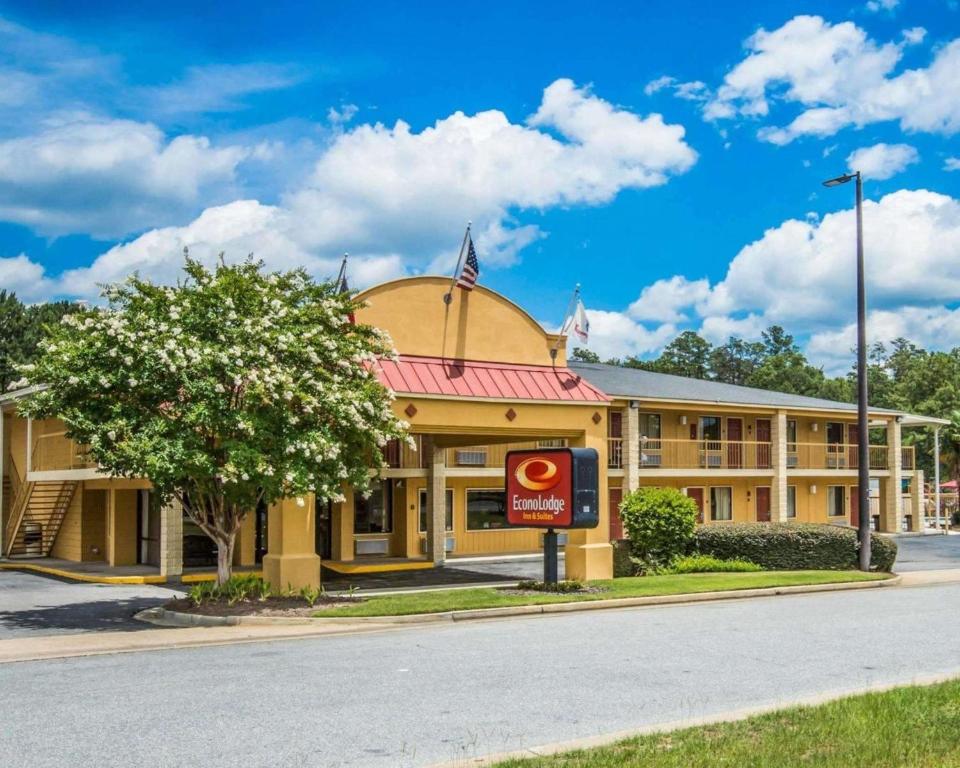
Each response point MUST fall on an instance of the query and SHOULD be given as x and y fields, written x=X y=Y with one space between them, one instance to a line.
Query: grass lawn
x=641 y=586
x=917 y=727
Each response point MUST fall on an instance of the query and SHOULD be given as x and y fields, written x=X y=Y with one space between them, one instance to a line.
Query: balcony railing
x=398 y=455
x=907 y=457
x=55 y=451
x=833 y=456
x=705 y=454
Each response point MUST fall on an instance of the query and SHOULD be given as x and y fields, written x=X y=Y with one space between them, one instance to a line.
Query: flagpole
x=563 y=327
x=448 y=296
x=343 y=271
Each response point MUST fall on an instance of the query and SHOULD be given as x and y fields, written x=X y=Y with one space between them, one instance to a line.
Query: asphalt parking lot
x=932 y=552
x=31 y=604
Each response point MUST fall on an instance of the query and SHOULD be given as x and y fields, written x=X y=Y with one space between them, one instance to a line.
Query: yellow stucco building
x=475 y=377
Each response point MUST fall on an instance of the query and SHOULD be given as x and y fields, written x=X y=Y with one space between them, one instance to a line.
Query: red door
x=854 y=507
x=763 y=444
x=853 y=452
x=763 y=504
x=697 y=495
x=734 y=444
x=616 y=525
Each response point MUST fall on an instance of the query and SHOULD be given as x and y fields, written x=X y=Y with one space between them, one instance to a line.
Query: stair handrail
x=18 y=508
x=58 y=514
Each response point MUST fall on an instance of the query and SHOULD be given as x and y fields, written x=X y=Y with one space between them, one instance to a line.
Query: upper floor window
x=791 y=435
x=834 y=432
x=710 y=427
x=650 y=426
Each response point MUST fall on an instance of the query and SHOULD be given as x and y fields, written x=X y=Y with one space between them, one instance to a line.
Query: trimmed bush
x=659 y=522
x=710 y=564
x=792 y=546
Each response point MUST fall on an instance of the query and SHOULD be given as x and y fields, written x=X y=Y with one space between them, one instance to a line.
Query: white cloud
x=882 y=161
x=839 y=77
x=951 y=164
x=665 y=300
x=914 y=35
x=215 y=88
x=388 y=195
x=23 y=277
x=875 y=6
x=80 y=173
x=614 y=334
x=802 y=274
x=694 y=90
x=378 y=186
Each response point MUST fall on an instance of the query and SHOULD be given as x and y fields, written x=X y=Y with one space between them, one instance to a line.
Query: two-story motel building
x=475 y=378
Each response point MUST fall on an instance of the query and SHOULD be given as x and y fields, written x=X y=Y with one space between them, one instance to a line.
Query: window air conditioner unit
x=451 y=544
x=471 y=458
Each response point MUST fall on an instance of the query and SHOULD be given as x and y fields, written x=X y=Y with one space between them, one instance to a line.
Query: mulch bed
x=581 y=591
x=272 y=606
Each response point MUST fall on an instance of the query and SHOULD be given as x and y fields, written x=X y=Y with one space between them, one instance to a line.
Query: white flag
x=581 y=326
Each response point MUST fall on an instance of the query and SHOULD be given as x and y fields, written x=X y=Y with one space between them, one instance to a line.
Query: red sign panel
x=540 y=488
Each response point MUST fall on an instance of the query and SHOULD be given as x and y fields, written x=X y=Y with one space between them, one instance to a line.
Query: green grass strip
x=641 y=586
x=916 y=726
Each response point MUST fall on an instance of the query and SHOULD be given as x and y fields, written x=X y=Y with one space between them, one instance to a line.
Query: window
x=423 y=509
x=710 y=428
x=486 y=509
x=792 y=435
x=791 y=501
x=834 y=432
x=374 y=514
x=721 y=503
x=650 y=426
x=836 y=501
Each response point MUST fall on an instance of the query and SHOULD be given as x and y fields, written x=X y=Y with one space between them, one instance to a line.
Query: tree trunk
x=225 y=557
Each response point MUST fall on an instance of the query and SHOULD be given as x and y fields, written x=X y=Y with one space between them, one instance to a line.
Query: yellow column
x=891 y=511
x=916 y=501
x=589 y=554
x=342 y=539
x=630 y=449
x=121 y=527
x=436 y=502
x=291 y=560
x=778 y=486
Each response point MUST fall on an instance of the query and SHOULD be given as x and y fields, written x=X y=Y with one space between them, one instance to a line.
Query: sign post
x=552 y=488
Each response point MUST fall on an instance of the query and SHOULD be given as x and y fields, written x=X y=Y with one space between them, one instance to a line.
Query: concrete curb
x=163 y=617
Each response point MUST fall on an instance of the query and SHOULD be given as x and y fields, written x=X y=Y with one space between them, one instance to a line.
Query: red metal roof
x=416 y=375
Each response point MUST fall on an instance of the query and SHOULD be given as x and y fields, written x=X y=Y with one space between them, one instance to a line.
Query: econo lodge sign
x=552 y=488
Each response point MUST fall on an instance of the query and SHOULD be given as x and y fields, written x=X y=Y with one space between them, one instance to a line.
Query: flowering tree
x=233 y=387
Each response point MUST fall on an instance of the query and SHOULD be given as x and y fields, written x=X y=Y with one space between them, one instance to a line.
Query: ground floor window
x=721 y=503
x=791 y=501
x=423 y=509
x=373 y=514
x=836 y=501
x=486 y=509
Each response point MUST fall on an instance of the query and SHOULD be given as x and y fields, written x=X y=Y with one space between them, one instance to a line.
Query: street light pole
x=863 y=432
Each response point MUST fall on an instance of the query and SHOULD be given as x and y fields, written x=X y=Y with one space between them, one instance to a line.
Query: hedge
x=792 y=546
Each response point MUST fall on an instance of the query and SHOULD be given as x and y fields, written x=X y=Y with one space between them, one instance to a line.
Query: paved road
x=417 y=696
x=31 y=604
x=927 y=553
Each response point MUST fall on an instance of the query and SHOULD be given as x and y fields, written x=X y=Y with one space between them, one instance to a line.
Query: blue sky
x=667 y=156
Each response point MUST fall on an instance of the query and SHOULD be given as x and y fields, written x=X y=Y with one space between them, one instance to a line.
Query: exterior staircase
x=36 y=515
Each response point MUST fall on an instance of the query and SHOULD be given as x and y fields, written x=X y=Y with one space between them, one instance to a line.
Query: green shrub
x=710 y=564
x=659 y=522
x=792 y=546
x=237 y=589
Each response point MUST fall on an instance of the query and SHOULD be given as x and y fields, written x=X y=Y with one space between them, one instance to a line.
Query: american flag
x=471 y=268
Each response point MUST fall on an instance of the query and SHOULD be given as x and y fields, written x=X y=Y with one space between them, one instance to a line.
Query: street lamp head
x=840 y=180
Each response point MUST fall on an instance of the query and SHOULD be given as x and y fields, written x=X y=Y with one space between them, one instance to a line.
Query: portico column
x=3 y=472
x=630 y=450
x=171 y=539
x=890 y=514
x=588 y=553
x=436 y=501
x=778 y=451
x=291 y=560
x=916 y=501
